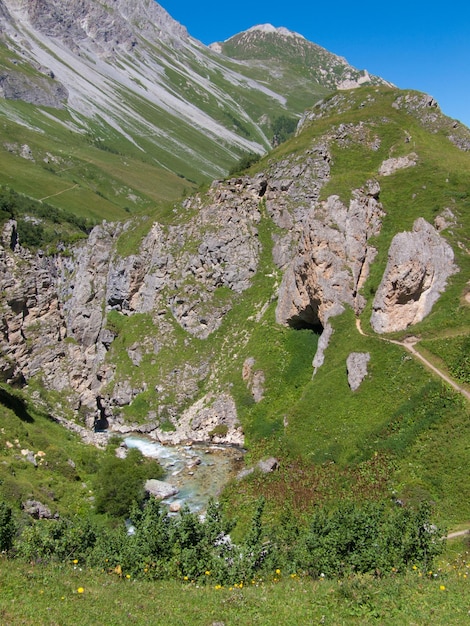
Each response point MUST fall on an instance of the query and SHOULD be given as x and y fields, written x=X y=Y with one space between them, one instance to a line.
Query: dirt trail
x=409 y=345
x=458 y=533
x=58 y=193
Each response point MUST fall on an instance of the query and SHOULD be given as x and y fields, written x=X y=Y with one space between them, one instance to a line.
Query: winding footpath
x=409 y=345
x=58 y=193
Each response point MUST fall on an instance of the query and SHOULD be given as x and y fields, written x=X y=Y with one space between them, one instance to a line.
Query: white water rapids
x=199 y=471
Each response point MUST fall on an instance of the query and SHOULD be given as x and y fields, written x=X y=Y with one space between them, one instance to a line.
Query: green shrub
x=246 y=161
x=7 y=527
x=283 y=128
x=57 y=540
x=120 y=482
x=369 y=538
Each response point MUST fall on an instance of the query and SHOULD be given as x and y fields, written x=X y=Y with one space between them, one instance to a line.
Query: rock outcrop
x=419 y=265
x=42 y=91
x=332 y=262
x=211 y=418
x=390 y=166
x=254 y=379
x=356 y=365
x=102 y=27
x=55 y=309
x=38 y=510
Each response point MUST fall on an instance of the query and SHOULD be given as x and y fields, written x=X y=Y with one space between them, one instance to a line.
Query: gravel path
x=409 y=345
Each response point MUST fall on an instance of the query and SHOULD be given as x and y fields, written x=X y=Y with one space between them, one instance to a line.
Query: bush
x=353 y=539
x=246 y=161
x=7 y=527
x=283 y=127
x=369 y=538
x=120 y=482
x=57 y=540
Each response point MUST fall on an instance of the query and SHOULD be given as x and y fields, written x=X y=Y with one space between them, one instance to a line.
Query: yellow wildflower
x=80 y=590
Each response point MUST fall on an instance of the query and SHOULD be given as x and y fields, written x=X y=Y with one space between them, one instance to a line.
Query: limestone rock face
x=419 y=265
x=333 y=260
x=99 y=26
x=356 y=365
x=32 y=319
x=54 y=310
x=42 y=91
x=212 y=418
x=332 y=263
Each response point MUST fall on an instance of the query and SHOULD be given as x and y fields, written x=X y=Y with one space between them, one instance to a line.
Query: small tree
x=283 y=128
x=120 y=482
x=7 y=527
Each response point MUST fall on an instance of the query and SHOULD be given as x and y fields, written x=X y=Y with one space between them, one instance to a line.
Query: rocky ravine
x=54 y=309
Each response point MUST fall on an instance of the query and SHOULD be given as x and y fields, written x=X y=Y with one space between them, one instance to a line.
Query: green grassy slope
x=61 y=478
x=104 y=178
x=402 y=416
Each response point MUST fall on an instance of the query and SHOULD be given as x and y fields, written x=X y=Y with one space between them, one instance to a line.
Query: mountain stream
x=198 y=471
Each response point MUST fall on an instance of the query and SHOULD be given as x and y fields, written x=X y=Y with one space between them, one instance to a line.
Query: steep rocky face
x=178 y=270
x=67 y=320
x=419 y=265
x=42 y=91
x=55 y=309
x=331 y=264
x=332 y=261
x=103 y=26
x=29 y=302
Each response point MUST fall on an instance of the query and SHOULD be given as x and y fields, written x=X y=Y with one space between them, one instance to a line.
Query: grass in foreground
x=69 y=594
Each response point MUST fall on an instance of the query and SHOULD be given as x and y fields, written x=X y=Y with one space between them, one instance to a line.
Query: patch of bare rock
x=356 y=365
x=419 y=265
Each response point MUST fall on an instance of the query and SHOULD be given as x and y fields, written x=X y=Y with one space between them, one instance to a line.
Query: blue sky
x=414 y=44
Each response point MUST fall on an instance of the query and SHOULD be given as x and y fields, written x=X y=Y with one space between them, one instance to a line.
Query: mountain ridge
x=136 y=75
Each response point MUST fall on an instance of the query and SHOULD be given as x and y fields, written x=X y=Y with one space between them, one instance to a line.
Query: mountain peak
x=269 y=28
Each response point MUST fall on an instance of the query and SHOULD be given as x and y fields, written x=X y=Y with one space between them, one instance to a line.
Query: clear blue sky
x=414 y=44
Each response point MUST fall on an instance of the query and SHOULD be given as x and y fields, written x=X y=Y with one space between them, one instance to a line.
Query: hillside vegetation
x=389 y=427
x=397 y=445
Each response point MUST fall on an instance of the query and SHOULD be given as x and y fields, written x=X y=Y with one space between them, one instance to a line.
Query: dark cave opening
x=306 y=319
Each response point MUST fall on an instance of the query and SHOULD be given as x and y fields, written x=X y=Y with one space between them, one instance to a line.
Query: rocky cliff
x=102 y=333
